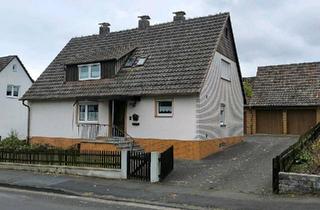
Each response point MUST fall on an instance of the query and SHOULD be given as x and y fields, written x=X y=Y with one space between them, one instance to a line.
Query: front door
x=118 y=112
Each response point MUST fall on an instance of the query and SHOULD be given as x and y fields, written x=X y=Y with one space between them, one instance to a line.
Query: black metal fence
x=284 y=161
x=138 y=165
x=99 y=159
x=166 y=161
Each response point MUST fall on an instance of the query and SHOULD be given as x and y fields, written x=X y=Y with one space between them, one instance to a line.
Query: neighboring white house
x=176 y=83
x=14 y=82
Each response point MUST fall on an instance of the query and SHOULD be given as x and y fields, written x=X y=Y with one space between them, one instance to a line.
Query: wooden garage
x=269 y=121
x=300 y=120
x=285 y=99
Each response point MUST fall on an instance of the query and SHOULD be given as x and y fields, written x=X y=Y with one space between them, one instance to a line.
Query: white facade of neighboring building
x=193 y=117
x=13 y=113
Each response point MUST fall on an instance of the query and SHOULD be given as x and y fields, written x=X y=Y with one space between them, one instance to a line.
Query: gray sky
x=266 y=31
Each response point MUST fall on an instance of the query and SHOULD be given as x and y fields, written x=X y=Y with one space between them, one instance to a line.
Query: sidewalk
x=143 y=192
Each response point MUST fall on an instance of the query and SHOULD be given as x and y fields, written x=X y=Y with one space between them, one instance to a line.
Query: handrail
x=115 y=131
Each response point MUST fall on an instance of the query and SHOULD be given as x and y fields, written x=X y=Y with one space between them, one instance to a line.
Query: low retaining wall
x=298 y=183
x=71 y=170
x=190 y=149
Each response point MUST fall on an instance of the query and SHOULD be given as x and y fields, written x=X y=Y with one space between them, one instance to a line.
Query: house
x=14 y=82
x=176 y=83
x=286 y=99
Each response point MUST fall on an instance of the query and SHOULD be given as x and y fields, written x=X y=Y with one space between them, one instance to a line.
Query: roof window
x=135 y=61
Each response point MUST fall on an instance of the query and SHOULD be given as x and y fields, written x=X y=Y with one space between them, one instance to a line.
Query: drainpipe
x=28 y=125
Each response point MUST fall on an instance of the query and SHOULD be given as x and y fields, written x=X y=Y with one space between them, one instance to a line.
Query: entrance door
x=118 y=112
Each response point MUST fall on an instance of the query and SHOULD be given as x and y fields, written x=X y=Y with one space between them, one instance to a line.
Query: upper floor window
x=89 y=71
x=88 y=113
x=13 y=90
x=14 y=68
x=225 y=70
x=164 y=108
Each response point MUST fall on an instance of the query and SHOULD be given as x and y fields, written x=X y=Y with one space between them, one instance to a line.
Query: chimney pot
x=179 y=15
x=144 y=22
x=104 y=29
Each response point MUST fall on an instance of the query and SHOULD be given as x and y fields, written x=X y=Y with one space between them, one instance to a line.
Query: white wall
x=59 y=118
x=13 y=113
x=182 y=125
x=215 y=92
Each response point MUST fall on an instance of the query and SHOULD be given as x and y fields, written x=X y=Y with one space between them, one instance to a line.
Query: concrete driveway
x=246 y=167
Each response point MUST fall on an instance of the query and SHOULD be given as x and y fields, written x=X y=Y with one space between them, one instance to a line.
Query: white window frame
x=158 y=114
x=12 y=91
x=89 y=71
x=86 y=113
x=222 y=115
x=225 y=72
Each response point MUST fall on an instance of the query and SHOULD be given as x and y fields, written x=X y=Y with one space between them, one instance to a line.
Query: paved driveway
x=246 y=167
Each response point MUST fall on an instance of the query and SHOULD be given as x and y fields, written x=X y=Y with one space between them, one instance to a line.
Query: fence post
x=275 y=174
x=155 y=167
x=124 y=163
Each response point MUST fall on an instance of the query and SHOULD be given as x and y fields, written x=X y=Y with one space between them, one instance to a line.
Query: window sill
x=13 y=97
x=88 y=123
x=228 y=80
x=164 y=116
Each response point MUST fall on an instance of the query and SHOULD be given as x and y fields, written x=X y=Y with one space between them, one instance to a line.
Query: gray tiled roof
x=287 y=85
x=4 y=61
x=179 y=55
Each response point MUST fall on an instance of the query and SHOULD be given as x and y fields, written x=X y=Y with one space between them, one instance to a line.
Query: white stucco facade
x=195 y=117
x=13 y=113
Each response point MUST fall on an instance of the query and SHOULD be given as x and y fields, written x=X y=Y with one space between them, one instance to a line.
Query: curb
x=105 y=197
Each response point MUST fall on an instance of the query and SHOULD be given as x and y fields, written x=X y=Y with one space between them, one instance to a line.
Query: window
x=14 y=69
x=140 y=61
x=225 y=70
x=88 y=112
x=89 y=71
x=135 y=61
x=13 y=90
x=222 y=117
x=164 y=108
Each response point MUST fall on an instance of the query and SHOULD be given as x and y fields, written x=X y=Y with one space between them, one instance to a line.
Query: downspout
x=28 y=125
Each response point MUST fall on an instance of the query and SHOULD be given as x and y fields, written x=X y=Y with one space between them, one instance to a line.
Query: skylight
x=135 y=61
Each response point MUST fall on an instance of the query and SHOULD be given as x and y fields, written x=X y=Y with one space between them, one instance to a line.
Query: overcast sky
x=267 y=31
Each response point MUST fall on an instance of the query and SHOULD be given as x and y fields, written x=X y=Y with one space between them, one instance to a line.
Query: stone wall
x=299 y=183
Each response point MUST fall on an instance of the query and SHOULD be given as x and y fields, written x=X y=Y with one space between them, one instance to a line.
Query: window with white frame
x=13 y=91
x=225 y=70
x=222 y=116
x=89 y=71
x=164 y=108
x=88 y=112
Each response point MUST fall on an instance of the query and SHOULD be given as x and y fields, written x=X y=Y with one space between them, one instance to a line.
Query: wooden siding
x=226 y=44
x=72 y=73
x=216 y=91
x=269 y=121
x=107 y=69
x=300 y=120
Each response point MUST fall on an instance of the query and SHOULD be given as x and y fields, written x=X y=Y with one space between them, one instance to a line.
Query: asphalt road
x=14 y=199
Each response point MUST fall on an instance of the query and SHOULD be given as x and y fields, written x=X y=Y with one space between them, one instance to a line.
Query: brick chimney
x=144 y=22
x=179 y=15
x=104 y=29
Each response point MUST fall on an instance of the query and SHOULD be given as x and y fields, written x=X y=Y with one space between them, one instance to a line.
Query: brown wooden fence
x=284 y=161
x=99 y=159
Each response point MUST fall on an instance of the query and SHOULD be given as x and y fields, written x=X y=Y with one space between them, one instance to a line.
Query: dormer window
x=89 y=71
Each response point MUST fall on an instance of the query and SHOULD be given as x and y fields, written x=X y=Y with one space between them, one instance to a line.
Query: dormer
x=102 y=63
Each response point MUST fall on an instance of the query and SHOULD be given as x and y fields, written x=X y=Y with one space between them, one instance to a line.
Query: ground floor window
x=88 y=112
x=164 y=108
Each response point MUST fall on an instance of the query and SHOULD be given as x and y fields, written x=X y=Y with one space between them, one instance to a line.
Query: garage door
x=300 y=121
x=269 y=122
